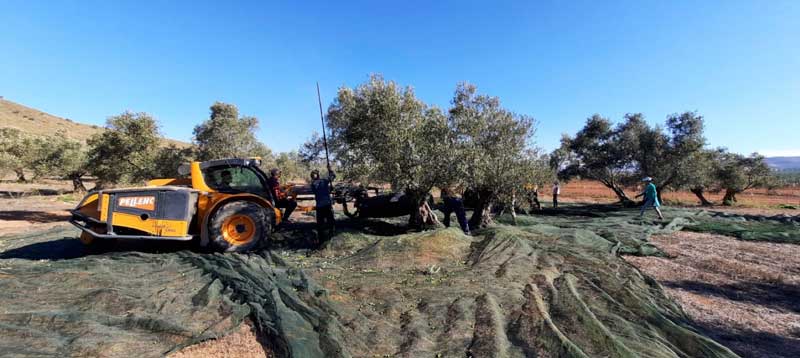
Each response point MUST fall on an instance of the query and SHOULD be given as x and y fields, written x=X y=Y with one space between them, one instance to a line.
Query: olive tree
x=225 y=134
x=126 y=151
x=619 y=156
x=60 y=157
x=15 y=152
x=595 y=153
x=737 y=173
x=169 y=158
x=380 y=132
x=490 y=144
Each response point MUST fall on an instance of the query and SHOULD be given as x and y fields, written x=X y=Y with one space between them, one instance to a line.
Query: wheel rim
x=238 y=229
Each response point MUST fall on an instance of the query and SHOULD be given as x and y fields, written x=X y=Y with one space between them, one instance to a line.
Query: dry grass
x=743 y=294
x=241 y=343
x=36 y=122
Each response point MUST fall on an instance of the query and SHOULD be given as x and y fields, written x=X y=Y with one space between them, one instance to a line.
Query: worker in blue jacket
x=650 y=198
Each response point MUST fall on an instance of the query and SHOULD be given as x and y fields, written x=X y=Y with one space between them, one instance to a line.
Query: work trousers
x=326 y=224
x=455 y=205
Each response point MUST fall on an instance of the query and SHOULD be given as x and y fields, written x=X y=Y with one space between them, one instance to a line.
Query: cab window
x=234 y=179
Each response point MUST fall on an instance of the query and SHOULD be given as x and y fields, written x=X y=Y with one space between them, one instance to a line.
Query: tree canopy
x=225 y=134
x=126 y=151
x=491 y=148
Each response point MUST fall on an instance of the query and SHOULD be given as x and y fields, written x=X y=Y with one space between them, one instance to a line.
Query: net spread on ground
x=553 y=285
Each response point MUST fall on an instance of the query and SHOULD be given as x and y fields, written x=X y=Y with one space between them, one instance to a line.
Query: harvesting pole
x=324 y=137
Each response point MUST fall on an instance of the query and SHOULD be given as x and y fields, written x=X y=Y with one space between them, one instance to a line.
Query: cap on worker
x=647 y=179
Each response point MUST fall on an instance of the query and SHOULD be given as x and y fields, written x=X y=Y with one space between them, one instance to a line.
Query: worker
x=650 y=198
x=279 y=197
x=556 y=193
x=225 y=180
x=326 y=224
x=533 y=197
x=454 y=204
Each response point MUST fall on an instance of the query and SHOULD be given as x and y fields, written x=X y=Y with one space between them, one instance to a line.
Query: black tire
x=238 y=226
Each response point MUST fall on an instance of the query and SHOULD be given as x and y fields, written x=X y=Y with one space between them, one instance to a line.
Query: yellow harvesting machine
x=224 y=204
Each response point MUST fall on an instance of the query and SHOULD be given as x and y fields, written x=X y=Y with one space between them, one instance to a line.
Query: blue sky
x=736 y=62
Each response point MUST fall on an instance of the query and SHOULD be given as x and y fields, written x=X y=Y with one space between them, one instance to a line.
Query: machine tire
x=93 y=245
x=238 y=226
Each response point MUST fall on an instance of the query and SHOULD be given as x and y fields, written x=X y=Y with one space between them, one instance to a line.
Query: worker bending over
x=454 y=204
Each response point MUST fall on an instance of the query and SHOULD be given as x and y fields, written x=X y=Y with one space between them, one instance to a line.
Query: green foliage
x=169 y=158
x=61 y=157
x=14 y=153
x=380 y=132
x=598 y=152
x=293 y=167
x=737 y=173
x=620 y=156
x=126 y=151
x=227 y=135
x=491 y=149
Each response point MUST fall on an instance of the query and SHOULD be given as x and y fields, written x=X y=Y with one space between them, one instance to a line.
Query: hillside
x=36 y=122
x=784 y=163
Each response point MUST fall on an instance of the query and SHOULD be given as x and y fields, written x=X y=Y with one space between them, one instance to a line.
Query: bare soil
x=242 y=343
x=743 y=294
x=753 y=202
x=33 y=213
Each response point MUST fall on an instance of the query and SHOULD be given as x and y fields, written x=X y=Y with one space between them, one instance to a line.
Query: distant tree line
x=675 y=156
x=132 y=150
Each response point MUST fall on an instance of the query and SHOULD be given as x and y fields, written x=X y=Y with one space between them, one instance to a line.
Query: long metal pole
x=324 y=137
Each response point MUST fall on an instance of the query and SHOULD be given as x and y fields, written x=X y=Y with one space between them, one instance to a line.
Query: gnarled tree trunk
x=700 y=194
x=77 y=185
x=482 y=215
x=421 y=214
x=730 y=197
x=620 y=193
x=20 y=175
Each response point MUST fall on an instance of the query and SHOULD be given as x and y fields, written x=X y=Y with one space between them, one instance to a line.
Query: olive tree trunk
x=700 y=194
x=77 y=185
x=482 y=216
x=421 y=214
x=730 y=197
x=20 y=176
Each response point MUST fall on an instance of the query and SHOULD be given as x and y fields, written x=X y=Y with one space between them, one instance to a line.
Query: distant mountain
x=35 y=122
x=784 y=163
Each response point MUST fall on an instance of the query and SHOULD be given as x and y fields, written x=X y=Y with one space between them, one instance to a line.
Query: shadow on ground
x=779 y=296
x=33 y=216
x=748 y=343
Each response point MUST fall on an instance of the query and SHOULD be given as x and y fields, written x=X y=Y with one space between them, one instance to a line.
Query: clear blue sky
x=736 y=62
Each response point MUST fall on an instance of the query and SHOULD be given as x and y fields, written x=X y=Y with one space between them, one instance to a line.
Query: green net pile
x=552 y=286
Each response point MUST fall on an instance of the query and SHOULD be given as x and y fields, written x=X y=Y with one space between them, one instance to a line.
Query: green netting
x=552 y=286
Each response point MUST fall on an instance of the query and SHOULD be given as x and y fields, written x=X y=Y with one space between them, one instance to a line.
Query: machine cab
x=229 y=176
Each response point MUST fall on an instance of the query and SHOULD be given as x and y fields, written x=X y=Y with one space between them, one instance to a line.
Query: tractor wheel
x=238 y=226
x=94 y=245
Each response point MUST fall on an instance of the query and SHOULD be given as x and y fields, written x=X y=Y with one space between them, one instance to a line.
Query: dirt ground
x=743 y=294
x=587 y=191
x=33 y=213
x=242 y=343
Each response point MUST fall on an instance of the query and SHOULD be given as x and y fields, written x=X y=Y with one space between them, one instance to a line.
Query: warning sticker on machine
x=138 y=202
